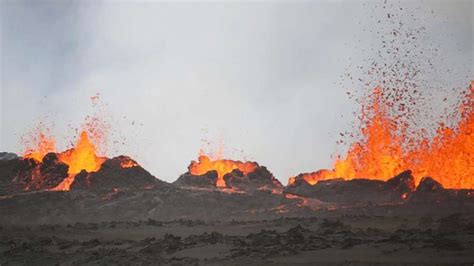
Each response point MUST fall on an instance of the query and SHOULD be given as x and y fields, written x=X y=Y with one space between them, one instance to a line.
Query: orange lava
x=128 y=163
x=384 y=151
x=313 y=178
x=379 y=155
x=450 y=157
x=82 y=157
x=222 y=166
x=44 y=145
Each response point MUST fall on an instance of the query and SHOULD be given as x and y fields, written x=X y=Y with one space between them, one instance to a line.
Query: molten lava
x=313 y=178
x=221 y=166
x=128 y=163
x=380 y=154
x=82 y=157
x=385 y=150
x=44 y=145
x=450 y=157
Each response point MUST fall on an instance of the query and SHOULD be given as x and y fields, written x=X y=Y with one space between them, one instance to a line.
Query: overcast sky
x=262 y=78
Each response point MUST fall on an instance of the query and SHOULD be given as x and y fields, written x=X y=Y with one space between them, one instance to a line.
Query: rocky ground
x=337 y=239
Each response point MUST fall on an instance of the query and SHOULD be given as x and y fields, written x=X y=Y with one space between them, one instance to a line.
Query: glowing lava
x=380 y=154
x=221 y=166
x=43 y=145
x=82 y=157
x=313 y=178
x=128 y=163
x=450 y=157
x=385 y=150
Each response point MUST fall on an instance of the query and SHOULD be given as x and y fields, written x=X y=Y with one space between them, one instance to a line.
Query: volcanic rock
x=51 y=173
x=340 y=190
x=259 y=179
x=403 y=182
x=299 y=186
x=9 y=169
x=430 y=192
x=207 y=180
x=118 y=173
x=428 y=184
x=355 y=191
x=25 y=174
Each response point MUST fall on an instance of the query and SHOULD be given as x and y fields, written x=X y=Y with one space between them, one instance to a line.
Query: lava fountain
x=386 y=150
x=82 y=157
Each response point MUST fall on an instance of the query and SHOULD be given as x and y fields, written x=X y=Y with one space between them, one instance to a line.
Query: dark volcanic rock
x=259 y=179
x=428 y=184
x=431 y=192
x=16 y=174
x=52 y=173
x=207 y=180
x=403 y=182
x=23 y=174
x=356 y=191
x=47 y=174
x=118 y=173
x=303 y=188
x=341 y=191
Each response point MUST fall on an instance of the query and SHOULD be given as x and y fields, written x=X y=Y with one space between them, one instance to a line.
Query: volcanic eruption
x=79 y=167
x=82 y=157
x=384 y=150
x=400 y=123
x=398 y=190
x=43 y=167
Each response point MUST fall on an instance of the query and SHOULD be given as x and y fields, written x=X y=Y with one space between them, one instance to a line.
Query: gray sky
x=262 y=78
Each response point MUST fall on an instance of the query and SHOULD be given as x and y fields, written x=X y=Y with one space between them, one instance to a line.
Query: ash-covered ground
x=121 y=214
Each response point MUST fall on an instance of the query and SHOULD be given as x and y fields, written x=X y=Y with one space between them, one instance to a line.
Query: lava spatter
x=38 y=143
x=205 y=164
